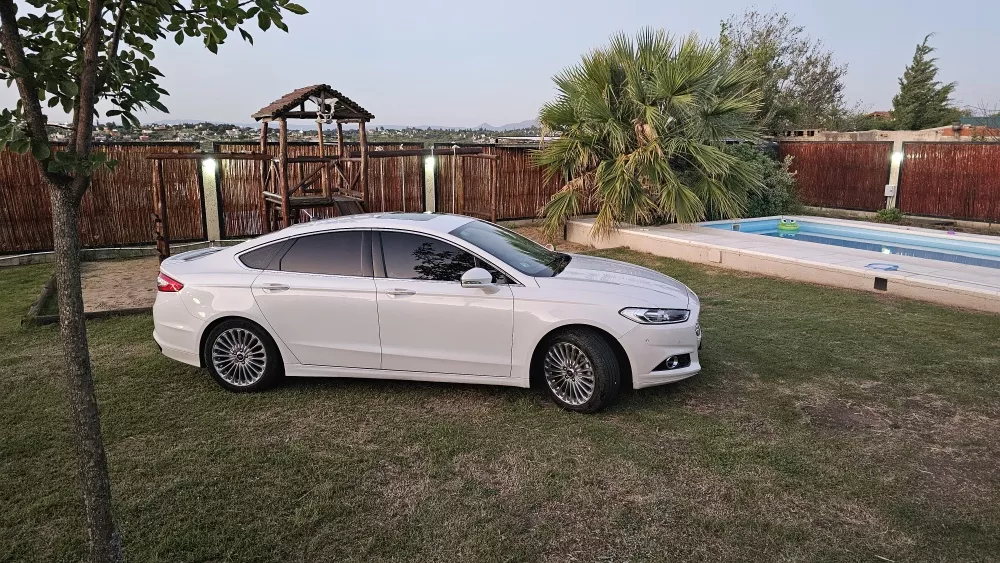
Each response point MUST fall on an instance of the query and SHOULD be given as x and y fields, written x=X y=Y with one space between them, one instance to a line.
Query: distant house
x=886 y=115
x=524 y=141
x=974 y=127
x=992 y=122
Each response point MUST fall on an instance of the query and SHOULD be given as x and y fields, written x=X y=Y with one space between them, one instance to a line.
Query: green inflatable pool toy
x=788 y=225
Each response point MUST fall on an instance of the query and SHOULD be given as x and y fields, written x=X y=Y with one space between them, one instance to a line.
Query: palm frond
x=642 y=125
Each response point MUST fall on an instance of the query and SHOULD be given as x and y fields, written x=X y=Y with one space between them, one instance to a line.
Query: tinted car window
x=259 y=258
x=338 y=254
x=415 y=257
x=523 y=254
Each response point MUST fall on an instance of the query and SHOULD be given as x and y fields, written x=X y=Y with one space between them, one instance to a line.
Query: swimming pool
x=944 y=247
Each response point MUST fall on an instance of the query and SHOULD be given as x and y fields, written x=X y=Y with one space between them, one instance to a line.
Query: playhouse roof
x=292 y=105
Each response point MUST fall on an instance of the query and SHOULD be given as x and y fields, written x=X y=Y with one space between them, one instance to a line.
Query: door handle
x=274 y=287
x=400 y=292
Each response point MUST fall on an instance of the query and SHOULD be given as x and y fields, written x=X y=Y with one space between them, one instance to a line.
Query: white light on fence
x=897 y=157
x=208 y=165
x=429 y=162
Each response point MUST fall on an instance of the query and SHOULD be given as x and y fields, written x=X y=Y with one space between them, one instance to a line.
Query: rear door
x=319 y=297
x=428 y=321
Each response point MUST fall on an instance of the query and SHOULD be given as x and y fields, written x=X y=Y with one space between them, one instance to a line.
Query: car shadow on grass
x=466 y=395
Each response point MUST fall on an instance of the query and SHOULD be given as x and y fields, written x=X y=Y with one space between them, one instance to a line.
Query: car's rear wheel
x=580 y=370
x=241 y=356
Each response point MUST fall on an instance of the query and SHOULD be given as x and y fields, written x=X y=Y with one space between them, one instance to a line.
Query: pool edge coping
x=990 y=294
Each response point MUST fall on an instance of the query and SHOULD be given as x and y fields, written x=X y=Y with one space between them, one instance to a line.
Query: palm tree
x=641 y=127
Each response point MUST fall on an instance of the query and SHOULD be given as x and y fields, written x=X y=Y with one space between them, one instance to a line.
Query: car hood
x=627 y=277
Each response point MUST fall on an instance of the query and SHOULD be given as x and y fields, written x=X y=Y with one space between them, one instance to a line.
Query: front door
x=320 y=300
x=429 y=322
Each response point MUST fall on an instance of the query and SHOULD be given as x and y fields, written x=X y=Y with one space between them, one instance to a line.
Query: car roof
x=437 y=222
x=419 y=222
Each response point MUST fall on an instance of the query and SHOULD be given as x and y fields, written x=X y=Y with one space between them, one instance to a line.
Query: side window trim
x=379 y=258
x=378 y=261
x=367 y=269
x=274 y=264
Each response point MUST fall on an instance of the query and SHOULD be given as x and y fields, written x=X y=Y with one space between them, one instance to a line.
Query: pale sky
x=461 y=63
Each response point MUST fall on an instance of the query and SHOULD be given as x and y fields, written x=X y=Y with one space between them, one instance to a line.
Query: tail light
x=168 y=284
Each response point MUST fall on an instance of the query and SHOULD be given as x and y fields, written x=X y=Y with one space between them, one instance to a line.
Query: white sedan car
x=428 y=297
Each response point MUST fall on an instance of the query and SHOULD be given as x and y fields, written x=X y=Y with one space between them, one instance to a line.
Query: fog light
x=674 y=362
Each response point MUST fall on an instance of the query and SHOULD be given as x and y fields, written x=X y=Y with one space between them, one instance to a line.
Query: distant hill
x=197 y=121
x=509 y=126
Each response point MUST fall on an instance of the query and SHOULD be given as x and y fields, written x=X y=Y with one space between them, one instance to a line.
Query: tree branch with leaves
x=923 y=102
x=69 y=55
x=801 y=84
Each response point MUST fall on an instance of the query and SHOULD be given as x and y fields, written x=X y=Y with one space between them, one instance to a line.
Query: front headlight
x=646 y=316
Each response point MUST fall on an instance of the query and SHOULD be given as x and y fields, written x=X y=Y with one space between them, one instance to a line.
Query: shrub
x=893 y=215
x=777 y=196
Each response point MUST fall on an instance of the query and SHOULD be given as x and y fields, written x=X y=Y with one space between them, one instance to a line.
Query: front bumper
x=648 y=345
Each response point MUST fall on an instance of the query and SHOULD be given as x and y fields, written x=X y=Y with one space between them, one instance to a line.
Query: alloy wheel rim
x=239 y=357
x=569 y=373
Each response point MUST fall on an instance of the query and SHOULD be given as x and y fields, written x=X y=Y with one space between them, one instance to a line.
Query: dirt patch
x=119 y=284
x=840 y=415
x=536 y=234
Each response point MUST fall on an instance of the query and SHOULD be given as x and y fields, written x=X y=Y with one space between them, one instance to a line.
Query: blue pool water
x=884 y=242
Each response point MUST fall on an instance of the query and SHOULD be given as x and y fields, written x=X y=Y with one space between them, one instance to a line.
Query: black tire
x=259 y=366
x=602 y=361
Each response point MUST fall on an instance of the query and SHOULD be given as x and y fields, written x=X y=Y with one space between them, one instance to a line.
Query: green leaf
x=41 y=150
x=296 y=9
x=246 y=36
x=264 y=21
x=69 y=88
x=20 y=146
x=179 y=37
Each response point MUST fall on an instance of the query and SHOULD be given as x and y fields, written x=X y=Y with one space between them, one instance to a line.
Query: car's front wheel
x=580 y=370
x=241 y=356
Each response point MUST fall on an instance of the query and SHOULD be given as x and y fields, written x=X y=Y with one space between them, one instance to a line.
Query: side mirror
x=477 y=278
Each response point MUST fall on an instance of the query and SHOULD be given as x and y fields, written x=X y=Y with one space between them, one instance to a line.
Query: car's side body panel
x=442 y=327
x=324 y=320
x=539 y=311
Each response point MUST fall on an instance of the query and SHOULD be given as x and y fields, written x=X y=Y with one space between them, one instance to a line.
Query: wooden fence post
x=283 y=171
x=265 y=168
x=162 y=225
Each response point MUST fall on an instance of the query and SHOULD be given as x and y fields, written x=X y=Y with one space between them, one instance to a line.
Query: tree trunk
x=104 y=542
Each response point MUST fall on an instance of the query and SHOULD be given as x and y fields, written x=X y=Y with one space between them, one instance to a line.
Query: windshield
x=518 y=252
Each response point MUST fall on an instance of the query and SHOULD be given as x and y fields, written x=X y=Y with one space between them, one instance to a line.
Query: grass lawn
x=827 y=425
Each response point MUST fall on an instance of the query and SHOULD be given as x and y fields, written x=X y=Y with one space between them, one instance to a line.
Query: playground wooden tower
x=339 y=181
